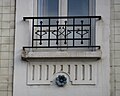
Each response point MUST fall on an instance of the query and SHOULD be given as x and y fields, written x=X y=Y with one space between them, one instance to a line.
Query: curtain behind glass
x=48 y=7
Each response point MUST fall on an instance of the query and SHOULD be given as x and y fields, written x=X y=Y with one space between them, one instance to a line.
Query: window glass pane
x=48 y=7
x=78 y=7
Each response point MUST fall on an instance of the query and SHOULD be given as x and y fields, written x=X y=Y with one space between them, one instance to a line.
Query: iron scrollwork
x=74 y=32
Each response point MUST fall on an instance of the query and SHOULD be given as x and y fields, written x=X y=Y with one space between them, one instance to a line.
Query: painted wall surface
x=24 y=87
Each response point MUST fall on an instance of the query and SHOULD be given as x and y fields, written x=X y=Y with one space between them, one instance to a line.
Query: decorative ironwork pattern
x=63 y=32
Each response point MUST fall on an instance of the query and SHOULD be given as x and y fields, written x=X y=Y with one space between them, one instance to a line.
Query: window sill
x=62 y=55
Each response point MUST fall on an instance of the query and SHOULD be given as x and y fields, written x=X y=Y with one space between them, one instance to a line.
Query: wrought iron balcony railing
x=63 y=32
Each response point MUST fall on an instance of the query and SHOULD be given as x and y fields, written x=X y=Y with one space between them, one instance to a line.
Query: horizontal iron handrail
x=61 y=47
x=61 y=25
x=65 y=39
x=62 y=17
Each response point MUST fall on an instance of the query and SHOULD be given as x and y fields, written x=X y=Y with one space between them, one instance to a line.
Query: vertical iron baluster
x=32 y=32
x=49 y=34
x=73 y=31
x=81 y=31
x=65 y=33
x=41 y=32
x=57 y=32
x=90 y=32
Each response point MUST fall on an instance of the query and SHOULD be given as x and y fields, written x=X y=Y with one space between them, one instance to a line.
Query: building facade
x=65 y=50
x=36 y=53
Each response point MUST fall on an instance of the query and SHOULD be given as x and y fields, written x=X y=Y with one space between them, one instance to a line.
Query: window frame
x=92 y=7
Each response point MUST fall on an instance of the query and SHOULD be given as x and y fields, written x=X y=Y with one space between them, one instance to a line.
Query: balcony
x=73 y=32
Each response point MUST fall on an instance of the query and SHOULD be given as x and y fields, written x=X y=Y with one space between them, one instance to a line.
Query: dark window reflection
x=78 y=7
x=48 y=7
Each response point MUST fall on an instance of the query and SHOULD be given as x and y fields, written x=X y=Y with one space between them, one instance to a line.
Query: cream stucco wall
x=7 y=13
x=102 y=85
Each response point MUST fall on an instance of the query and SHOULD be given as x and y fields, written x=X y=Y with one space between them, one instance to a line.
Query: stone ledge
x=62 y=54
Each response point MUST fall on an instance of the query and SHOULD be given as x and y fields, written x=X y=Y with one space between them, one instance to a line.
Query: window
x=64 y=24
x=66 y=7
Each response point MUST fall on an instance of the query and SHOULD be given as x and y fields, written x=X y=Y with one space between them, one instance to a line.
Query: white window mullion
x=63 y=11
x=63 y=7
